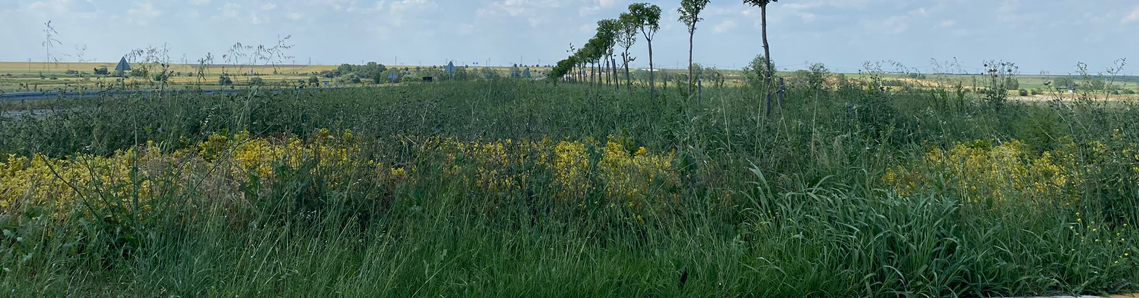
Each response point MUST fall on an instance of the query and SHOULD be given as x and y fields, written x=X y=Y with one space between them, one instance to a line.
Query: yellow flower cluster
x=257 y=156
x=91 y=181
x=571 y=163
x=96 y=180
x=498 y=166
x=631 y=175
x=569 y=170
x=980 y=172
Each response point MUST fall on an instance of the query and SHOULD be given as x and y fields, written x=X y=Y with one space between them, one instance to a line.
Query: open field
x=510 y=187
x=38 y=76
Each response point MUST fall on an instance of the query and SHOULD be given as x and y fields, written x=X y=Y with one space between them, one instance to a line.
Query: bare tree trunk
x=652 y=73
x=605 y=71
x=766 y=55
x=628 y=77
x=616 y=79
x=691 y=78
x=593 y=75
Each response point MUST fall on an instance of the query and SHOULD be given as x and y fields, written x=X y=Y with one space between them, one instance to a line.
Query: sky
x=1048 y=36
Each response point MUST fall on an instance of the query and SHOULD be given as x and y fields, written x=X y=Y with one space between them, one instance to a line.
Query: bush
x=256 y=81
x=348 y=79
x=224 y=80
x=757 y=71
x=101 y=71
x=139 y=72
x=1023 y=92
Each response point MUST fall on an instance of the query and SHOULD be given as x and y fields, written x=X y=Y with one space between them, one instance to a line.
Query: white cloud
x=144 y=11
x=588 y=10
x=406 y=5
x=269 y=6
x=465 y=28
x=807 y=17
x=56 y=7
x=724 y=27
x=230 y=10
x=588 y=28
x=377 y=7
x=948 y=23
x=199 y=2
x=511 y=8
x=398 y=11
x=1134 y=16
x=347 y=5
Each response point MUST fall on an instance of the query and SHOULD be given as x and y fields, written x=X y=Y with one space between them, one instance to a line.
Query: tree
x=758 y=73
x=626 y=37
x=648 y=19
x=690 y=14
x=607 y=31
x=766 y=47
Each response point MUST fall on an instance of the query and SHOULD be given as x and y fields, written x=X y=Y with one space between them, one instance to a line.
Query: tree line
x=642 y=20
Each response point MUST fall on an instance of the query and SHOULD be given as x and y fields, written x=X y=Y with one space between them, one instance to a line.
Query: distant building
x=123 y=65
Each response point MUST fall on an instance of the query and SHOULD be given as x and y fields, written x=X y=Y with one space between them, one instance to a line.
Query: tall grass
x=791 y=206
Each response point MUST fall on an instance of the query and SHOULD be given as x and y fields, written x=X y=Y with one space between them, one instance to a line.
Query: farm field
x=38 y=76
x=510 y=187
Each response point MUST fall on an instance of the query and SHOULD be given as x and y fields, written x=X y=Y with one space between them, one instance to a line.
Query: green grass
x=788 y=206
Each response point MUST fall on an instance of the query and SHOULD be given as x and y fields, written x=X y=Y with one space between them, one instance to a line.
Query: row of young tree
x=642 y=20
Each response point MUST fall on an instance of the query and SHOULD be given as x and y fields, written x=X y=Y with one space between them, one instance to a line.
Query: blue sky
x=1038 y=35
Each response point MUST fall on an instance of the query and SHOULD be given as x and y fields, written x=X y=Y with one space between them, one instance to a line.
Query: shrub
x=224 y=80
x=139 y=72
x=348 y=79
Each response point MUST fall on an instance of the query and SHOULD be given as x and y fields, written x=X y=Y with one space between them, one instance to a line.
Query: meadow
x=507 y=187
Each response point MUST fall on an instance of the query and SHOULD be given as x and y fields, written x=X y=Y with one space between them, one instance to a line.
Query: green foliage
x=140 y=72
x=351 y=78
x=371 y=71
x=760 y=2
x=690 y=13
x=646 y=16
x=764 y=208
x=1064 y=83
x=224 y=80
x=757 y=72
